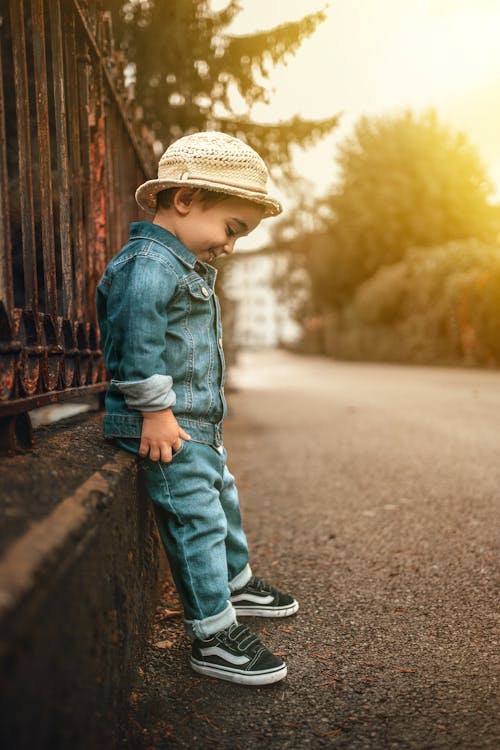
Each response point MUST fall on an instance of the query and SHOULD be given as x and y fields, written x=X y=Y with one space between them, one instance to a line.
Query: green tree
x=189 y=72
x=437 y=304
x=405 y=181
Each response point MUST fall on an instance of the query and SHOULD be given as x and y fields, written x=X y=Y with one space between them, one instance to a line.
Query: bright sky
x=383 y=56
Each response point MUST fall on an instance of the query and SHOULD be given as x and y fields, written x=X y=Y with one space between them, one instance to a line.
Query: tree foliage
x=437 y=304
x=404 y=181
x=190 y=72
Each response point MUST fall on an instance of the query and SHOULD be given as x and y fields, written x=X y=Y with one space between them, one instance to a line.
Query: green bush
x=437 y=305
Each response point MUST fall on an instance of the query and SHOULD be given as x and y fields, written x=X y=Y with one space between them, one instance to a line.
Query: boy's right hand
x=161 y=435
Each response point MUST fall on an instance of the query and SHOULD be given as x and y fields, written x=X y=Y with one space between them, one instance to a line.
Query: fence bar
x=24 y=151
x=18 y=406
x=61 y=122
x=112 y=199
x=87 y=116
x=96 y=260
x=70 y=59
x=6 y=279
x=44 y=155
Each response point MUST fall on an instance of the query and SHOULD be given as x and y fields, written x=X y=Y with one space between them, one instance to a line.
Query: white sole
x=239 y=677
x=266 y=611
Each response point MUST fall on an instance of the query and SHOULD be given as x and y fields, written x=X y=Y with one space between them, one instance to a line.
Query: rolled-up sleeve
x=138 y=319
x=150 y=394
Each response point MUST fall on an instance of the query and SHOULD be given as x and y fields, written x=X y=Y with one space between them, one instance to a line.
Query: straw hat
x=214 y=161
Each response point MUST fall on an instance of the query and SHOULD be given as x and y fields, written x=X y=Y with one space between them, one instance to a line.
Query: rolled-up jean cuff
x=210 y=625
x=241 y=579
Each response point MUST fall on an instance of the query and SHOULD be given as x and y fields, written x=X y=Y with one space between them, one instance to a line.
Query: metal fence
x=70 y=160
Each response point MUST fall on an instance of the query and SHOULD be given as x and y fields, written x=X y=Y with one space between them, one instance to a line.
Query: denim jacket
x=161 y=336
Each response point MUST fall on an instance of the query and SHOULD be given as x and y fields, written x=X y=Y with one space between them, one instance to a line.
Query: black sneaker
x=237 y=655
x=259 y=599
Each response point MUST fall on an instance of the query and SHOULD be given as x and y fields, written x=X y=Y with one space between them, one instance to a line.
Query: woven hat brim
x=146 y=193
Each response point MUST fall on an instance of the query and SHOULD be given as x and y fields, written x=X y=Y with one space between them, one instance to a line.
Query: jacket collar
x=148 y=231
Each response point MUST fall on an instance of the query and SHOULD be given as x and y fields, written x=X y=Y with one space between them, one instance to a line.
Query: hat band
x=186 y=176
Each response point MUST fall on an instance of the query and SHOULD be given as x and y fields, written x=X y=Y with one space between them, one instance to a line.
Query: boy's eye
x=230 y=231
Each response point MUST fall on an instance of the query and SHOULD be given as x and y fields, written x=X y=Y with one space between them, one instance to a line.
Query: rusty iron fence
x=71 y=156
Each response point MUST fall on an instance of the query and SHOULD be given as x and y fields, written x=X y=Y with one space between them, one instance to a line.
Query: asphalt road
x=372 y=493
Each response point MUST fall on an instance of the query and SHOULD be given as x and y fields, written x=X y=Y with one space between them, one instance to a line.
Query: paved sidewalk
x=370 y=492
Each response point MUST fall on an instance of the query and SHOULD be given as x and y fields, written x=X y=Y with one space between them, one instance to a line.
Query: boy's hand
x=161 y=435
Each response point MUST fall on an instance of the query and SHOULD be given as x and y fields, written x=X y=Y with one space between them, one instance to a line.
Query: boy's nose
x=228 y=247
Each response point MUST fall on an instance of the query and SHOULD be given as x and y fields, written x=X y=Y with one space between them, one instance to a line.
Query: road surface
x=372 y=493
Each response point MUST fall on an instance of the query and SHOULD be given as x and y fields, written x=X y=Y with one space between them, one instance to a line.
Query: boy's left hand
x=161 y=435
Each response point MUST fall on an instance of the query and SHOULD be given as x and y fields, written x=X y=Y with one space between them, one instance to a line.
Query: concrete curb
x=30 y=557
x=78 y=590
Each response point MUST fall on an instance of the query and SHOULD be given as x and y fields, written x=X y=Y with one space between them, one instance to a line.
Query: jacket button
x=205 y=291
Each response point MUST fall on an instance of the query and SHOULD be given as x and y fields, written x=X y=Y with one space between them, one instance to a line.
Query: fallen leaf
x=171 y=612
x=329 y=682
x=207 y=719
x=164 y=644
x=402 y=669
x=212 y=723
x=327 y=655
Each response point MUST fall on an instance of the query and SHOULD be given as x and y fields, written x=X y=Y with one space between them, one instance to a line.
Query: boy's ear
x=183 y=199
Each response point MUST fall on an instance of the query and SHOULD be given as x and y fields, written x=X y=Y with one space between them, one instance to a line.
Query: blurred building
x=260 y=319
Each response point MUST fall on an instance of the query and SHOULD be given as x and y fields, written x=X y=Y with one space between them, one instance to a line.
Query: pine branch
x=224 y=17
x=259 y=52
x=277 y=42
x=274 y=140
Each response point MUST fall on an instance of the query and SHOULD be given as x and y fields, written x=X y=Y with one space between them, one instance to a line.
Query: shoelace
x=240 y=635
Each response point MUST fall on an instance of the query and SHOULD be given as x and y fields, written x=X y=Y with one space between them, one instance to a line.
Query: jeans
x=198 y=516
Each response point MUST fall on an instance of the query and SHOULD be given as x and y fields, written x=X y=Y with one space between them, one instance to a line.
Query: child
x=162 y=341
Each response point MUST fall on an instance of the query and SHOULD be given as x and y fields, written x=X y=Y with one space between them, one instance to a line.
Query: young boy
x=162 y=341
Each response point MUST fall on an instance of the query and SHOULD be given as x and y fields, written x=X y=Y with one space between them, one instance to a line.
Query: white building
x=260 y=319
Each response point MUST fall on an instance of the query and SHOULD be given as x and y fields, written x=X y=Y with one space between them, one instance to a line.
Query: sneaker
x=237 y=655
x=259 y=599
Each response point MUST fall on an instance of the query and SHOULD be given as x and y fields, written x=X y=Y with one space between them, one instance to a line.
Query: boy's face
x=211 y=230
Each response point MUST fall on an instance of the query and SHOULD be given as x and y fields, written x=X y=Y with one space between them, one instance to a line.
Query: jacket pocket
x=200 y=291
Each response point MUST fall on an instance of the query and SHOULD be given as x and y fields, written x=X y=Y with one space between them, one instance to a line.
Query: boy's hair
x=208 y=197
